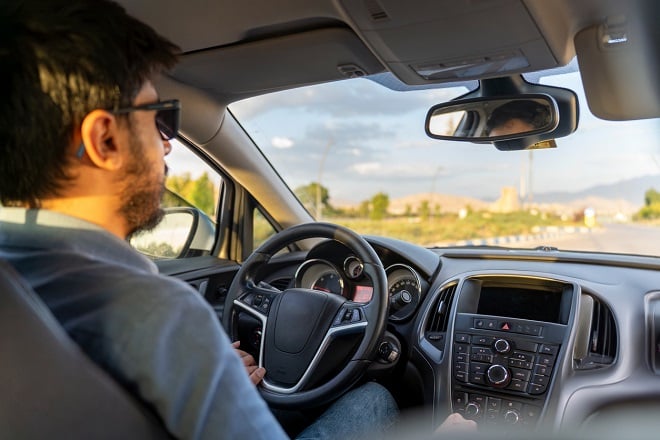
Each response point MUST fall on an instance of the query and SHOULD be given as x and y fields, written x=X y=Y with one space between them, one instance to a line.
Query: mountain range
x=624 y=197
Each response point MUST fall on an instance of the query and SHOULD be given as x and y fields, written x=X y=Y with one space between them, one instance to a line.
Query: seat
x=49 y=388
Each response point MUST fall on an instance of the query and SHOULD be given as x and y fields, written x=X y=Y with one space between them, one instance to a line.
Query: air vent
x=376 y=11
x=596 y=344
x=436 y=323
x=280 y=283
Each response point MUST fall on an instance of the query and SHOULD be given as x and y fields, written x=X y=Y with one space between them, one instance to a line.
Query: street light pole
x=319 y=207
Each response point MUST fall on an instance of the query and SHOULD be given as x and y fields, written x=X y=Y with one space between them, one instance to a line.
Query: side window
x=191 y=200
x=262 y=229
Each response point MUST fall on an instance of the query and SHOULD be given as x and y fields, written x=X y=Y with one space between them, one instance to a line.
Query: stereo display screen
x=514 y=302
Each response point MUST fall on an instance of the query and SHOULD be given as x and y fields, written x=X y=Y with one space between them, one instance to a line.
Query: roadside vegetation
x=424 y=224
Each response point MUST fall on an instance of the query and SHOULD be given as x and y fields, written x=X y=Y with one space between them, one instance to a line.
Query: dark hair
x=532 y=112
x=61 y=59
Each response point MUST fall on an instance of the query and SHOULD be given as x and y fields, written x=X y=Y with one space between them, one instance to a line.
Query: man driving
x=83 y=140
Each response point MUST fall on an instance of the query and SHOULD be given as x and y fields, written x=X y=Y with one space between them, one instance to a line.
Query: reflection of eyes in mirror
x=517 y=117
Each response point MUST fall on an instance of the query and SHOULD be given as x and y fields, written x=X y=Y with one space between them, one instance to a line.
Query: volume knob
x=502 y=346
x=498 y=376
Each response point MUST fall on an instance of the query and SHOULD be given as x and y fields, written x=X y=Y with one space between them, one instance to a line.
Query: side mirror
x=492 y=119
x=183 y=232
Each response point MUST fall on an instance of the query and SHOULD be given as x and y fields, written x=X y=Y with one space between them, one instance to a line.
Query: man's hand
x=455 y=422
x=255 y=372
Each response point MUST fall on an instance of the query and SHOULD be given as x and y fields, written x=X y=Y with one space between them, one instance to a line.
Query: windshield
x=355 y=153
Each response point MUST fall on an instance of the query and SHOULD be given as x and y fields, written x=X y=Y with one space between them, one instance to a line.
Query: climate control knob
x=472 y=410
x=511 y=417
x=502 y=346
x=498 y=376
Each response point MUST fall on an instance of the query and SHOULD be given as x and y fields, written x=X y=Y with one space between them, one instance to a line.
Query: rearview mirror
x=488 y=119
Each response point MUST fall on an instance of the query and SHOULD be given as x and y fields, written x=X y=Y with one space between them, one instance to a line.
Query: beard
x=141 y=195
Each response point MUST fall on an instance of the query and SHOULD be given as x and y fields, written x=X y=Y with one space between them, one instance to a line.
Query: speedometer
x=319 y=275
x=404 y=290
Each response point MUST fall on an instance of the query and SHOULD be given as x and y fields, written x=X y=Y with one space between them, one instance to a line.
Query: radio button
x=549 y=349
x=544 y=370
x=526 y=357
x=546 y=360
x=517 y=385
x=520 y=374
x=536 y=389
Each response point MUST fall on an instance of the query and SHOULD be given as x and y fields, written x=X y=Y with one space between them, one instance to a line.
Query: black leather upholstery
x=48 y=387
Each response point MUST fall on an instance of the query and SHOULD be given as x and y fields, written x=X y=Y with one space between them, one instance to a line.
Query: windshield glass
x=355 y=153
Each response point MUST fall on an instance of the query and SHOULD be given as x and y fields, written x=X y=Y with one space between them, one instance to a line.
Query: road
x=623 y=238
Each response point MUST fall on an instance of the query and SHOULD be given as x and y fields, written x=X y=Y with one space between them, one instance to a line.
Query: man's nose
x=167 y=147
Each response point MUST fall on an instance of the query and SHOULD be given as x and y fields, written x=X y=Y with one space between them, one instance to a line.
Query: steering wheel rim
x=372 y=316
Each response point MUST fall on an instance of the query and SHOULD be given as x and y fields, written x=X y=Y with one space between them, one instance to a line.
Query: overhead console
x=507 y=338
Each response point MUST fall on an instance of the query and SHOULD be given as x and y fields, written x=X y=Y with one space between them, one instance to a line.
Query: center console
x=507 y=338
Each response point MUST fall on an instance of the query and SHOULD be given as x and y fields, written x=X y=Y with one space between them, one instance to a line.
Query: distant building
x=508 y=201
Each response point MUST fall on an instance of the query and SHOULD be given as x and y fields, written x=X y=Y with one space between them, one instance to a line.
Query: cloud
x=281 y=142
x=367 y=168
x=366 y=98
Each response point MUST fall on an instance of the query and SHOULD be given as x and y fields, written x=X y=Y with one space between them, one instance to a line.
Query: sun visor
x=201 y=116
x=239 y=71
x=619 y=67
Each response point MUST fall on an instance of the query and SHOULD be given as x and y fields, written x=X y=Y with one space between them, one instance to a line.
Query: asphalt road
x=619 y=238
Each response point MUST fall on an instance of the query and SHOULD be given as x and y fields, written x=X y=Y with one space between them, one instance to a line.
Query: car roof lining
x=232 y=52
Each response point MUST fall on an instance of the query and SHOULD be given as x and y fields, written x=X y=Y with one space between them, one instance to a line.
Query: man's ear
x=100 y=133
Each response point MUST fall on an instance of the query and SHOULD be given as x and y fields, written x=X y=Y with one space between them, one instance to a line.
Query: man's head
x=67 y=66
x=517 y=117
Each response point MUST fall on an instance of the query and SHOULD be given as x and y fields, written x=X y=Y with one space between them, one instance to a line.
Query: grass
x=449 y=228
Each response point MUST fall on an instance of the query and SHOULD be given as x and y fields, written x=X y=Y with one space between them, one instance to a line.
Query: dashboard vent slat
x=601 y=341
x=438 y=319
x=281 y=283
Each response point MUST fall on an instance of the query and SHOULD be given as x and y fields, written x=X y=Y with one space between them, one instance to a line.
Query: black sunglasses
x=167 y=116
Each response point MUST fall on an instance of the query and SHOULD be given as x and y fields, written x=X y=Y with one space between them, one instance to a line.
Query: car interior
x=556 y=342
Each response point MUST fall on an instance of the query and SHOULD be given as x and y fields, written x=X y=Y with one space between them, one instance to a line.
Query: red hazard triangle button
x=505 y=326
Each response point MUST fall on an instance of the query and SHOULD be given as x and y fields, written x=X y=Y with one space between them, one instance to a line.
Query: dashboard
x=533 y=339
x=539 y=339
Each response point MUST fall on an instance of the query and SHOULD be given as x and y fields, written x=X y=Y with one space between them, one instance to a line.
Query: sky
x=375 y=142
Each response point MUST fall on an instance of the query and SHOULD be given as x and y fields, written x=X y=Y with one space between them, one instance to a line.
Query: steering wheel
x=300 y=325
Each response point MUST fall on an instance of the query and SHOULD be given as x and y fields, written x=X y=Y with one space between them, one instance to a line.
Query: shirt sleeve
x=180 y=360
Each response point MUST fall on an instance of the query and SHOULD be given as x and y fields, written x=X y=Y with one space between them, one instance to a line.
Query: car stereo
x=505 y=350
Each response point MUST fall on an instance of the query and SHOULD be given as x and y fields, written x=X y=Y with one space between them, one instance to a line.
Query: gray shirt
x=154 y=334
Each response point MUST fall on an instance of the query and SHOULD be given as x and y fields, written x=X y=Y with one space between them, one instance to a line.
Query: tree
x=424 y=210
x=651 y=197
x=200 y=192
x=307 y=194
x=651 y=208
x=379 y=204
